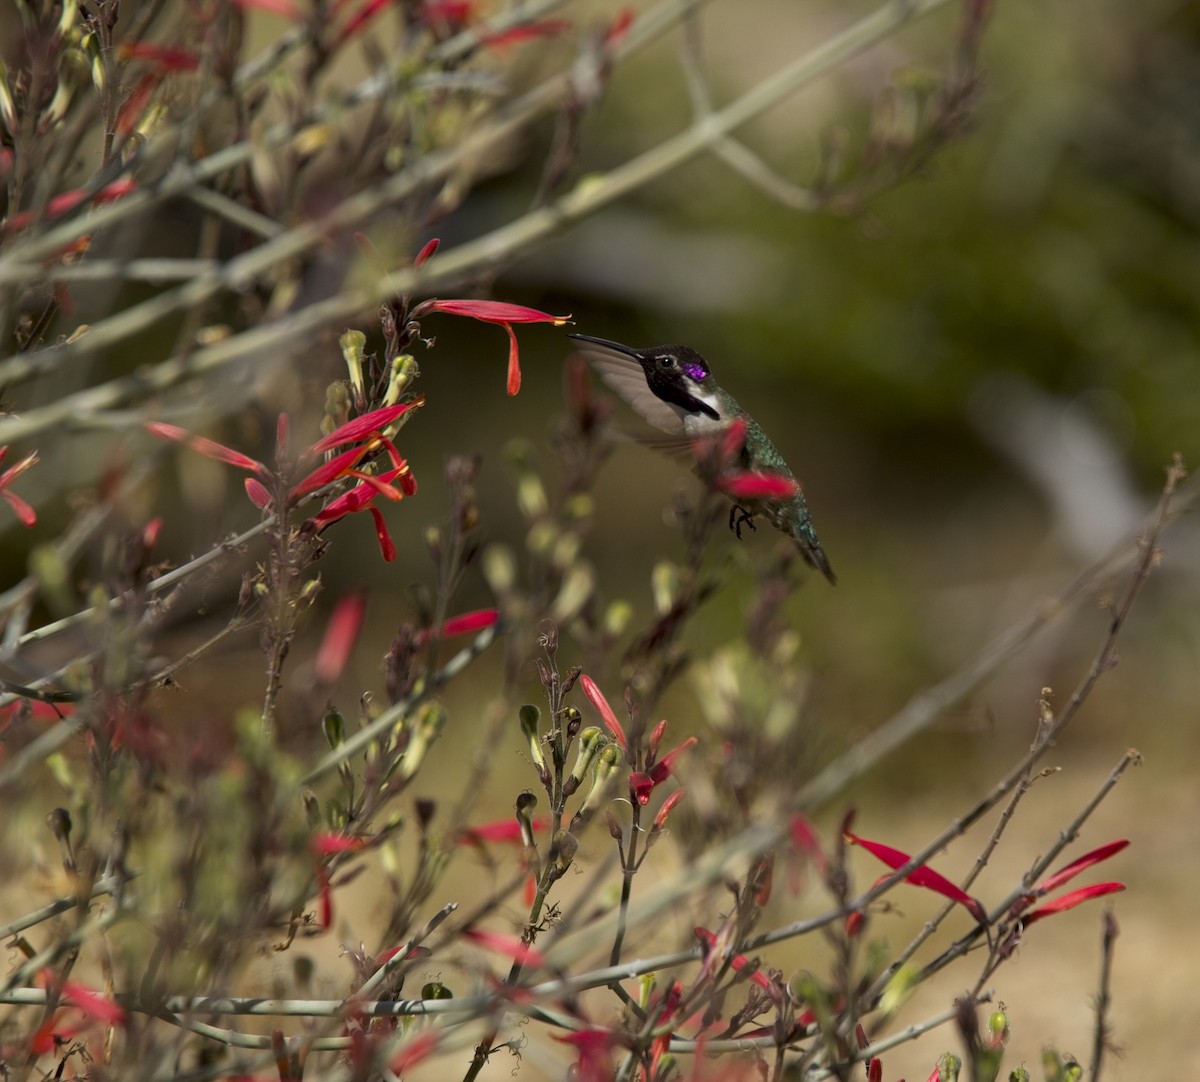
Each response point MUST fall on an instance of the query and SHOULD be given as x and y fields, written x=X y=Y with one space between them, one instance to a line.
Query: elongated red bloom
x=674 y=798
x=420 y=1048
x=325 y=843
x=1096 y=856
x=340 y=636
x=466 y=623
x=596 y=698
x=922 y=875
x=337 y=467
x=618 y=31
x=506 y=945
x=285 y=8
x=425 y=253
x=24 y=512
x=68 y=201
x=208 y=448
x=661 y=770
x=501 y=830
x=500 y=313
x=758 y=485
x=1070 y=900
x=494 y=312
x=166 y=57
x=369 y=424
x=258 y=493
x=547 y=28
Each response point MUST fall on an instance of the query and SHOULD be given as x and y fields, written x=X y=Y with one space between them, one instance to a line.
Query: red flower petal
x=418 y=1049
x=514 y=362
x=661 y=770
x=1071 y=899
x=922 y=875
x=619 y=30
x=470 y=621
x=597 y=699
x=547 y=28
x=369 y=424
x=285 y=8
x=424 y=254
x=672 y=799
x=387 y=546
x=24 y=512
x=502 y=830
x=258 y=493
x=758 y=485
x=494 y=311
x=326 y=473
x=325 y=843
x=340 y=636
x=208 y=448
x=168 y=58
x=1068 y=873
x=506 y=945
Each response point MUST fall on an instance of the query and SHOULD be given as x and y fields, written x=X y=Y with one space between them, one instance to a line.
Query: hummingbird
x=674 y=389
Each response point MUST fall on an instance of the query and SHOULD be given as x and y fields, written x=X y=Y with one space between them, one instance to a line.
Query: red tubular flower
x=286 y=8
x=208 y=448
x=466 y=623
x=416 y=1050
x=597 y=699
x=426 y=252
x=661 y=770
x=1064 y=875
x=1070 y=900
x=340 y=636
x=495 y=312
x=165 y=57
x=547 y=28
x=758 y=485
x=922 y=875
x=674 y=798
x=68 y=201
x=595 y=1048
x=502 y=830
x=619 y=30
x=805 y=839
x=24 y=512
x=368 y=425
x=1095 y=856
x=506 y=945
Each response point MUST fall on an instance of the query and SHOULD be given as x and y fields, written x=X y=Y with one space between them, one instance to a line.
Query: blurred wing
x=625 y=376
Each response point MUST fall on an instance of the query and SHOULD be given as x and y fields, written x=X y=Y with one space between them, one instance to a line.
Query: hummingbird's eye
x=666 y=363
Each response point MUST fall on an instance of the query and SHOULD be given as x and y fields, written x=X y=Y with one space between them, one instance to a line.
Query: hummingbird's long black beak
x=616 y=347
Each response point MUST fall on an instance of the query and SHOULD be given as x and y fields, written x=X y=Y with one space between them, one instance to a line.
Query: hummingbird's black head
x=672 y=372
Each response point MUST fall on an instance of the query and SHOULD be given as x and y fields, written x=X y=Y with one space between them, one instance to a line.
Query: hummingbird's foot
x=739 y=517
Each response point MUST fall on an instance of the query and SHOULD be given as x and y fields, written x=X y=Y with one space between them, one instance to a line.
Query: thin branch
x=1100 y=1038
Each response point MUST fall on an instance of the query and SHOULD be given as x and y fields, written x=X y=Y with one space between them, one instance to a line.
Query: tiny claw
x=739 y=517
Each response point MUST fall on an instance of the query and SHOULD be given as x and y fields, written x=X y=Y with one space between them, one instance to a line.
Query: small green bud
x=436 y=990
x=353 y=343
x=591 y=740
x=334 y=726
x=604 y=776
x=562 y=851
x=948 y=1067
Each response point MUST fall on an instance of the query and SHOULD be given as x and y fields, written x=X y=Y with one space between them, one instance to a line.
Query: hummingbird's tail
x=794 y=520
